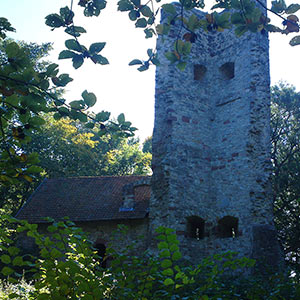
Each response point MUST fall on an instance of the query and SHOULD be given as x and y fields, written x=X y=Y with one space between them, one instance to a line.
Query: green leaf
x=295 y=41
x=66 y=54
x=176 y=256
x=192 y=22
x=174 y=247
x=135 y=62
x=64 y=79
x=160 y=229
x=165 y=253
x=52 y=228
x=89 y=98
x=141 y=23
x=137 y=3
x=96 y=47
x=171 y=57
x=82 y=117
x=77 y=61
x=13 y=100
x=291 y=9
x=77 y=104
x=166 y=263
x=18 y=261
x=99 y=59
x=169 y=8
x=121 y=118
x=90 y=125
x=149 y=32
x=143 y=68
x=66 y=14
x=125 y=5
x=75 y=30
x=162 y=245
x=73 y=45
x=133 y=15
x=168 y=272
x=186 y=49
x=44 y=84
x=237 y=18
x=13 y=250
x=272 y=28
x=55 y=253
x=150 y=52
x=181 y=65
x=155 y=61
x=52 y=70
x=146 y=11
x=5 y=259
x=12 y=50
x=54 y=20
x=36 y=121
x=102 y=116
x=34 y=169
x=6 y=271
x=56 y=116
x=168 y=281
x=240 y=30
x=278 y=6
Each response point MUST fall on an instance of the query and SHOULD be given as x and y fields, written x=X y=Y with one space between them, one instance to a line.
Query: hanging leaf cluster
x=76 y=51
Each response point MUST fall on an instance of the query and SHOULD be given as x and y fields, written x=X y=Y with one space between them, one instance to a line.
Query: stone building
x=211 y=158
x=97 y=204
x=211 y=146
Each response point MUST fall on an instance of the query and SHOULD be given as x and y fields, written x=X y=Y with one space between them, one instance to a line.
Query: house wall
x=105 y=231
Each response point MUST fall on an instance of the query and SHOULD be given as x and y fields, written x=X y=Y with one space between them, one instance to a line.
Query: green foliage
x=67 y=267
x=68 y=149
x=147 y=145
x=4 y=27
x=285 y=120
x=29 y=90
x=244 y=16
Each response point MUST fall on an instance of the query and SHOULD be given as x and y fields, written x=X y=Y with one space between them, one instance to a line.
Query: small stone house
x=96 y=204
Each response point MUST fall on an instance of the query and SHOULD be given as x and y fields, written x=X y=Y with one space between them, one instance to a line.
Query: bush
x=68 y=268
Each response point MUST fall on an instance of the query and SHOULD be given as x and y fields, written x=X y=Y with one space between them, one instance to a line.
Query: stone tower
x=211 y=147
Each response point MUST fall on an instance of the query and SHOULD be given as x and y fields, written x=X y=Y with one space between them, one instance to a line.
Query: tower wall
x=211 y=146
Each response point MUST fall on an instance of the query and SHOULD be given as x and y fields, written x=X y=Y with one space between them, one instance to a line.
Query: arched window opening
x=195 y=227
x=227 y=70
x=101 y=251
x=199 y=72
x=228 y=227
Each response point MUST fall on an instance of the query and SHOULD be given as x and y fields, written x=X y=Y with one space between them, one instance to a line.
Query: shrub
x=68 y=267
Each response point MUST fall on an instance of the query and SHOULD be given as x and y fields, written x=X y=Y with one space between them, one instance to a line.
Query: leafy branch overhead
x=243 y=15
x=75 y=50
x=27 y=93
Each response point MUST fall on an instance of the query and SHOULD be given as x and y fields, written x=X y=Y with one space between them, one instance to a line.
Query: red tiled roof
x=85 y=199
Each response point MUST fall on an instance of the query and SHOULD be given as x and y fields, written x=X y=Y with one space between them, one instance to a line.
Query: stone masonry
x=211 y=147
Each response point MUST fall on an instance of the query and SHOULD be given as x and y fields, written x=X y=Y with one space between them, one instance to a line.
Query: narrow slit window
x=227 y=70
x=199 y=72
x=228 y=227
x=195 y=227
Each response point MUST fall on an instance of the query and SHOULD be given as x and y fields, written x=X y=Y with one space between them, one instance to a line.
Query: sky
x=119 y=88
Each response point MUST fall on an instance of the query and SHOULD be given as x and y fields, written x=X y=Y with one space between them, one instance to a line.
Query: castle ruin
x=211 y=147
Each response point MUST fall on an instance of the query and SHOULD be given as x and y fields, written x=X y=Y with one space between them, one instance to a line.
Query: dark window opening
x=227 y=70
x=228 y=227
x=101 y=251
x=195 y=227
x=199 y=72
